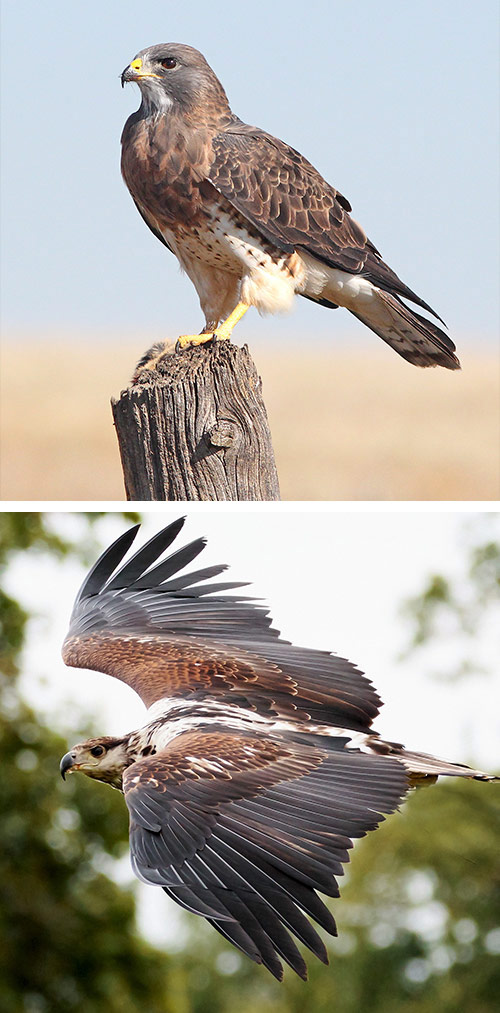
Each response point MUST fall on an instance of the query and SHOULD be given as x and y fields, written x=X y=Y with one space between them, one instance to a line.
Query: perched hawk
x=250 y=220
x=256 y=766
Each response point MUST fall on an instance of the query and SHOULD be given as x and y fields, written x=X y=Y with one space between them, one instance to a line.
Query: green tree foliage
x=23 y=532
x=419 y=917
x=419 y=922
x=458 y=610
x=68 y=931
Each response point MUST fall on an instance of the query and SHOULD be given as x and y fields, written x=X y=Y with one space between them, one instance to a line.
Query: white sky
x=334 y=580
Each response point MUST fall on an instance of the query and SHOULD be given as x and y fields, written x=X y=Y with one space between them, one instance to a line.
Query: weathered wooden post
x=193 y=426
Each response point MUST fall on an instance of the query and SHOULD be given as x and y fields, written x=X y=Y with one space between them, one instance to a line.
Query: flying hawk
x=256 y=766
x=250 y=220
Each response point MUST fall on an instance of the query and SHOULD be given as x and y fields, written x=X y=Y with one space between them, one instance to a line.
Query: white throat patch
x=154 y=96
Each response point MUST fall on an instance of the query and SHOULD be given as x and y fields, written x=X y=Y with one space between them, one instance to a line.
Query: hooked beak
x=134 y=72
x=68 y=761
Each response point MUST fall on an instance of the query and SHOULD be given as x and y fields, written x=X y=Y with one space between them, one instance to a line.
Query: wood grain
x=193 y=426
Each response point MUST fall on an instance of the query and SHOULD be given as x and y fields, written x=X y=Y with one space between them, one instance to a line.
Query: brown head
x=178 y=78
x=104 y=759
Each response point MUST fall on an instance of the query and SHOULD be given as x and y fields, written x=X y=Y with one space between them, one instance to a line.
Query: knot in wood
x=222 y=434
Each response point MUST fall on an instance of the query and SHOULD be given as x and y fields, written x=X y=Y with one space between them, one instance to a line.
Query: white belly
x=268 y=279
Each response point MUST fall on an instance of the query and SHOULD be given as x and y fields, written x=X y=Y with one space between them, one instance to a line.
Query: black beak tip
x=65 y=764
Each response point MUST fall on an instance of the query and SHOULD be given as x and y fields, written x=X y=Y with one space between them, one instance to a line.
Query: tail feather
x=416 y=339
x=423 y=767
x=382 y=276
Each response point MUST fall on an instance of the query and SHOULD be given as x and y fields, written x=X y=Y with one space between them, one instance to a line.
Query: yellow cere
x=136 y=64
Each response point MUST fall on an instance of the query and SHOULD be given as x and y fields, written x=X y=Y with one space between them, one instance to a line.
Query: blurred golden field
x=346 y=424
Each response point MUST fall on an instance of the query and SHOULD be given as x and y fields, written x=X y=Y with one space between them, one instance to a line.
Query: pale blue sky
x=394 y=103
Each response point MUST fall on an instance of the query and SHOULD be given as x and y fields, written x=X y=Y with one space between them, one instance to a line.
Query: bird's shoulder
x=254 y=150
x=282 y=194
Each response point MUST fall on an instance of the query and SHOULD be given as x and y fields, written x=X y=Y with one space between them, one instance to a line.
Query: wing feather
x=230 y=847
x=105 y=565
x=170 y=635
x=288 y=202
x=142 y=559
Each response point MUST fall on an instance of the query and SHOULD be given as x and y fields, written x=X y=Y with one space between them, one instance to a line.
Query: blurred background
x=413 y=599
x=396 y=105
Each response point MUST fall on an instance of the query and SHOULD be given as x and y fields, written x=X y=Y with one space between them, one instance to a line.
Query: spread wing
x=289 y=203
x=168 y=634
x=244 y=829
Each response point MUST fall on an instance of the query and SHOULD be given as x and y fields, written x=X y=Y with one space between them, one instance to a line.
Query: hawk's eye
x=169 y=63
x=97 y=750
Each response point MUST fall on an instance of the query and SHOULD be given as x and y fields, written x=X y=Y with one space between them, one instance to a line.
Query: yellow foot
x=193 y=339
x=223 y=333
x=225 y=330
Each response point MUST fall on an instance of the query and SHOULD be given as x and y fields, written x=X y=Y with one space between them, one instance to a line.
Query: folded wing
x=287 y=200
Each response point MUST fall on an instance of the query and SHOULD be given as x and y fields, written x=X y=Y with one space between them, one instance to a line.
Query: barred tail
x=418 y=340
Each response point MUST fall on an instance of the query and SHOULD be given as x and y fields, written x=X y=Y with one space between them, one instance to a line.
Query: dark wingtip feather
x=204 y=589
x=107 y=562
x=143 y=558
x=297 y=963
x=177 y=561
x=378 y=272
x=323 y=955
x=194 y=577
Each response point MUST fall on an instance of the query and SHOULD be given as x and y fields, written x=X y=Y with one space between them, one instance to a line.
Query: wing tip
x=106 y=564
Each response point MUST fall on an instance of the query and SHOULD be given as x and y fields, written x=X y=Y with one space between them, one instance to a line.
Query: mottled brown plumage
x=256 y=767
x=164 y=666
x=251 y=221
